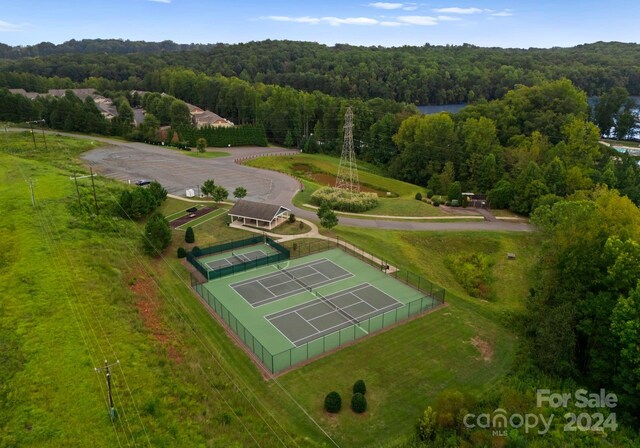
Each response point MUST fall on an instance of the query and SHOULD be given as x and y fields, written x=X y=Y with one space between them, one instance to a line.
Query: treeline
x=532 y=147
x=220 y=136
x=419 y=75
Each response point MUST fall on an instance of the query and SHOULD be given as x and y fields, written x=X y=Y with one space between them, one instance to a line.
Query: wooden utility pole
x=33 y=135
x=95 y=198
x=112 y=409
x=42 y=122
x=33 y=197
x=75 y=178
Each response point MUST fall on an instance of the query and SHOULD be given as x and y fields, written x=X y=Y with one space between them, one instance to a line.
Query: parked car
x=192 y=209
x=143 y=182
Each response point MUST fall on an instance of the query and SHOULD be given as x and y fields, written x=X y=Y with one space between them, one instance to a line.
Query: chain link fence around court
x=211 y=274
x=433 y=297
x=278 y=362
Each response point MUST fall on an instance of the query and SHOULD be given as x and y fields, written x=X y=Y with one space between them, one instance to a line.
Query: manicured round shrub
x=292 y=218
x=195 y=251
x=359 y=387
x=429 y=194
x=358 y=403
x=436 y=203
x=189 y=236
x=332 y=402
x=182 y=252
x=418 y=196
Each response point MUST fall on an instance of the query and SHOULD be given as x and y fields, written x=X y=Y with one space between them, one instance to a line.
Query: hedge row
x=339 y=199
x=219 y=137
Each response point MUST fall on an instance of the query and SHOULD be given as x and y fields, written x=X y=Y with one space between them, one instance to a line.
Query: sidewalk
x=315 y=233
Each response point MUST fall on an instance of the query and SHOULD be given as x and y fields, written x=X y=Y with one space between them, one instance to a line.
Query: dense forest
x=418 y=75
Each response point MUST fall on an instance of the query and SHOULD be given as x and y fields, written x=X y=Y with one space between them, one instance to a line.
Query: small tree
x=158 y=192
x=288 y=140
x=418 y=196
x=358 y=403
x=157 y=235
x=239 y=192
x=292 y=218
x=427 y=425
x=301 y=225
x=333 y=402
x=219 y=194
x=328 y=218
x=208 y=186
x=201 y=144
x=182 y=252
x=455 y=192
x=189 y=236
x=359 y=387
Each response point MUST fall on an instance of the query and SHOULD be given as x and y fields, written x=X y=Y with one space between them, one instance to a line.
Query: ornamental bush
x=332 y=402
x=418 y=196
x=292 y=218
x=436 y=203
x=189 y=236
x=195 y=251
x=182 y=252
x=358 y=403
x=339 y=199
x=359 y=387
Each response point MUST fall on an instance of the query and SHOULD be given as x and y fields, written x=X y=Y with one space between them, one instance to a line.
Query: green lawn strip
x=202 y=219
x=200 y=155
x=287 y=228
x=368 y=175
x=212 y=231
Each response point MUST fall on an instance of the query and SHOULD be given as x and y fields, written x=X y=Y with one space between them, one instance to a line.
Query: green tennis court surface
x=290 y=312
x=237 y=256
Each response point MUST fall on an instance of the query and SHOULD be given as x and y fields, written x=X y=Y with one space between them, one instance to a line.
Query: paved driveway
x=177 y=172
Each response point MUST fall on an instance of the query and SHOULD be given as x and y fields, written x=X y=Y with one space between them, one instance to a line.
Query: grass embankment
x=466 y=345
x=404 y=204
x=77 y=291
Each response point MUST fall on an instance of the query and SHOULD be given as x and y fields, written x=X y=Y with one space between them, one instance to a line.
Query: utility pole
x=75 y=178
x=112 y=410
x=95 y=198
x=33 y=198
x=32 y=135
x=42 y=123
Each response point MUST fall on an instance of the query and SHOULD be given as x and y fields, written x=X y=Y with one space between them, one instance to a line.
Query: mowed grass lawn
x=466 y=345
x=402 y=205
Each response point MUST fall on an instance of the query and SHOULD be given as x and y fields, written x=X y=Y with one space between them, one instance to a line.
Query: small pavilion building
x=258 y=214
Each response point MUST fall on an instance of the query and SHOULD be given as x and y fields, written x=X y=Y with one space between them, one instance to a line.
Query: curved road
x=176 y=171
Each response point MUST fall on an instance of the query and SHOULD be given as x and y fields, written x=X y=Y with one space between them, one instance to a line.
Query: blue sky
x=502 y=23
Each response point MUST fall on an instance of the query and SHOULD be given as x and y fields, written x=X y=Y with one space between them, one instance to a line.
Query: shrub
x=157 y=235
x=182 y=252
x=429 y=193
x=301 y=225
x=359 y=387
x=189 y=236
x=358 y=403
x=436 y=203
x=195 y=251
x=294 y=247
x=292 y=218
x=427 y=425
x=472 y=271
x=332 y=402
x=339 y=199
x=418 y=196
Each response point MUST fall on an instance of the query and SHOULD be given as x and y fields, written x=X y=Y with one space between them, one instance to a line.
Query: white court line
x=214 y=215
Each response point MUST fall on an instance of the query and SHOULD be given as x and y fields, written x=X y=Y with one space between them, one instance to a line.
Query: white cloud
x=7 y=27
x=388 y=23
x=160 y=1
x=384 y=5
x=456 y=10
x=335 y=21
x=448 y=18
x=313 y=20
x=505 y=13
x=418 y=20
x=391 y=6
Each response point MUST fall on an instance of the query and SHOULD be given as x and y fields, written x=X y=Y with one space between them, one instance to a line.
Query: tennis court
x=288 y=282
x=304 y=323
x=291 y=311
x=235 y=259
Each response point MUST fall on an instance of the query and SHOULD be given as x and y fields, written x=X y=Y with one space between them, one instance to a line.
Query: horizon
x=482 y=23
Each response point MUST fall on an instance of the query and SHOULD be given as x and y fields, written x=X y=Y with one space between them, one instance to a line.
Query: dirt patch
x=484 y=347
x=191 y=216
x=149 y=307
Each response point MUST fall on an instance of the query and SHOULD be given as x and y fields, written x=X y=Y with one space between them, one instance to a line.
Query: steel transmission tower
x=347 y=178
